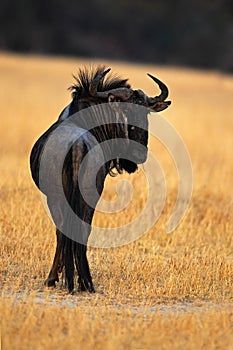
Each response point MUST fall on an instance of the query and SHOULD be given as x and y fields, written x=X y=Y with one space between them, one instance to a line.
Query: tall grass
x=191 y=267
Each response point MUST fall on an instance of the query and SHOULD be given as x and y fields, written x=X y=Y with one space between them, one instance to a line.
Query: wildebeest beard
x=128 y=165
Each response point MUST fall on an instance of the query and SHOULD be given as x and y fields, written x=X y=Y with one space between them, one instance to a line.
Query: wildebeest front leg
x=57 y=262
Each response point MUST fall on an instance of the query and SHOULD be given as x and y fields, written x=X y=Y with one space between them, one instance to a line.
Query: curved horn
x=95 y=82
x=163 y=88
x=123 y=93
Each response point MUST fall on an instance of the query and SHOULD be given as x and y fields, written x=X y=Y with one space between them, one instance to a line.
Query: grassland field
x=163 y=291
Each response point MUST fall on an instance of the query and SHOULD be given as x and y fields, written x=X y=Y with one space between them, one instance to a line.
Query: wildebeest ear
x=160 y=106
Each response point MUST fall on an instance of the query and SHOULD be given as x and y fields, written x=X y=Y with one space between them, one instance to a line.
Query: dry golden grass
x=161 y=291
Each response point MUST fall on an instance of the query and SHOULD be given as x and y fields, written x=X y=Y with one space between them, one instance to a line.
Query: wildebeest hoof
x=51 y=282
x=90 y=288
x=71 y=292
x=81 y=285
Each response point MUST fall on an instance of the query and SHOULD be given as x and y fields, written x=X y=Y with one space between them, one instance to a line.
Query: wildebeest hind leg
x=81 y=286
x=84 y=279
x=69 y=263
x=57 y=262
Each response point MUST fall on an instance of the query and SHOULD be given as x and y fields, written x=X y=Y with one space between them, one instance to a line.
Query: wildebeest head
x=94 y=91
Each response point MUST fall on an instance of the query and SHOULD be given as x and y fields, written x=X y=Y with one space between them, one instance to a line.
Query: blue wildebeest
x=92 y=89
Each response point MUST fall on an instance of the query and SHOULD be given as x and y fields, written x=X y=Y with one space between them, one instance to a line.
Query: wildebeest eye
x=132 y=127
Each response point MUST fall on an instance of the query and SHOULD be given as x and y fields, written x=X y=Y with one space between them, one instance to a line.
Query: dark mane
x=86 y=75
x=81 y=90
